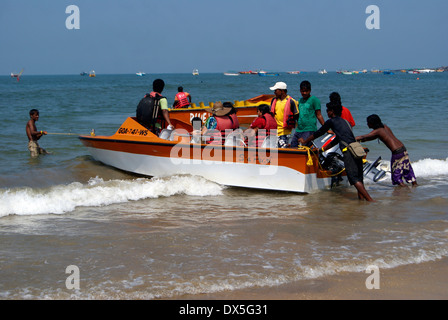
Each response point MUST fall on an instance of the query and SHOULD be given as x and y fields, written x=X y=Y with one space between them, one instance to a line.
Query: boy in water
x=34 y=135
x=400 y=164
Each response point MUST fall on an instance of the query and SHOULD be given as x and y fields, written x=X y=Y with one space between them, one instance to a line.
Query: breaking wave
x=61 y=199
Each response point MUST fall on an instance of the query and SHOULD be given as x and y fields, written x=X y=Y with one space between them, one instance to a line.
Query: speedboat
x=195 y=72
x=140 y=74
x=134 y=148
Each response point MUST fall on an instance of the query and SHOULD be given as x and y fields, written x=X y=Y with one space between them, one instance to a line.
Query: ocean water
x=134 y=237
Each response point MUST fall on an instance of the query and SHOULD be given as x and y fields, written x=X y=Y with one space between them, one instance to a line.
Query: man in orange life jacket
x=223 y=119
x=284 y=109
x=182 y=99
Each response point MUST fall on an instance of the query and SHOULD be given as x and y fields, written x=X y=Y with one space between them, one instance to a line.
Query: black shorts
x=353 y=168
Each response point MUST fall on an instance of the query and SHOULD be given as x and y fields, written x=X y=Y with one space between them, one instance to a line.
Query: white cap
x=279 y=85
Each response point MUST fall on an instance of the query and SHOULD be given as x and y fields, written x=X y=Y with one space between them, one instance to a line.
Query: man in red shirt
x=346 y=114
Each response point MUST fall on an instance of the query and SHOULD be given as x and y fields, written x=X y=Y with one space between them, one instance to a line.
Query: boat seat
x=166 y=134
x=270 y=142
x=235 y=139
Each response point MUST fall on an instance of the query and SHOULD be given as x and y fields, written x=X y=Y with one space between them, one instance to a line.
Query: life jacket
x=182 y=100
x=148 y=111
x=270 y=121
x=262 y=133
x=229 y=122
x=288 y=120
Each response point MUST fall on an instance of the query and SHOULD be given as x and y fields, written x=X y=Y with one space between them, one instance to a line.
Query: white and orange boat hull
x=134 y=149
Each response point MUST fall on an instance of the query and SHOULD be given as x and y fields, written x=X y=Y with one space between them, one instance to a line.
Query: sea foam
x=97 y=192
x=424 y=168
x=430 y=167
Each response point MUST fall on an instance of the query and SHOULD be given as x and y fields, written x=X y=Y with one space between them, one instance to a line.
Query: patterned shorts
x=401 y=167
x=35 y=149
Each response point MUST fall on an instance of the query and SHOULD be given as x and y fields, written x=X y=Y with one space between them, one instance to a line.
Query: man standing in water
x=34 y=135
x=400 y=165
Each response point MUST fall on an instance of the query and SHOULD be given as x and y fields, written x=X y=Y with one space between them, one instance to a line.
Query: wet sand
x=424 y=281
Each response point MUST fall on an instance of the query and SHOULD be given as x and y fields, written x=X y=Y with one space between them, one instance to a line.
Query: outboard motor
x=332 y=160
x=372 y=172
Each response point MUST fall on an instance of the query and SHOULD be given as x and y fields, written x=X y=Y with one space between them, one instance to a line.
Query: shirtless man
x=34 y=135
x=400 y=164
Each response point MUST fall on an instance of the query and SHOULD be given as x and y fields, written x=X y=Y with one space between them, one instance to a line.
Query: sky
x=177 y=36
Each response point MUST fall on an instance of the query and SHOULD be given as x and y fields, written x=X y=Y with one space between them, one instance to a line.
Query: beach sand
x=424 y=281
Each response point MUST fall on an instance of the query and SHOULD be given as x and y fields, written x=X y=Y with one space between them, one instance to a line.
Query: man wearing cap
x=285 y=110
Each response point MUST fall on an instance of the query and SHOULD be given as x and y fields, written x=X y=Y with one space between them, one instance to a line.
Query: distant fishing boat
x=425 y=70
x=140 y=74
x=232 y=74
x=268 y=74
x=293 y=72
x=17 y=75
x=92 y=74
x=195 y=72
x=322 y=71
